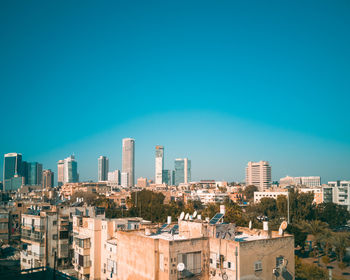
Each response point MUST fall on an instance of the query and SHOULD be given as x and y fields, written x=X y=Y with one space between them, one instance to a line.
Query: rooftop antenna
x=182 y=215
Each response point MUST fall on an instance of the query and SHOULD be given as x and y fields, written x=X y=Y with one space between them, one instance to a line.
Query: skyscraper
x=167 y=177
x=103 y=167
x=182 y=171
x=128 y=161
x=34 y=173
x=47 y=179
x=158 y=179
x=124 y=179
x=71 y=170
x=60 y=173
x=258 y=174
x=13 y=171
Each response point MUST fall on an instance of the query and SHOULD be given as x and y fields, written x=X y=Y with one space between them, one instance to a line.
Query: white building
x=128 y=160
x=337 y=192
x=103 y=167
x=124 y=180
x=206 y=197
x=307 y=181
x=159 y=165
x=258 y=174
x=114 y=177
x=274 y=194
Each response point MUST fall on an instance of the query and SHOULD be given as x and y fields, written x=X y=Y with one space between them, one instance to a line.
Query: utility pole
x=288 y=207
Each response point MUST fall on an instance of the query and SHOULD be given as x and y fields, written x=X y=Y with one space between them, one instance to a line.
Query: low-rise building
x=337 y=192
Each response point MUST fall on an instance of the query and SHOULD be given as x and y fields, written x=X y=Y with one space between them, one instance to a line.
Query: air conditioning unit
x=213 y=272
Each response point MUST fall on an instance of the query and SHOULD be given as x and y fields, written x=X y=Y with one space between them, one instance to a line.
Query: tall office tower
x=60 y=173
x=158 y=179
x=182 y=171
x=128 y=160
x=258 y=174
x=47 y=179
x=13 y=171
x=71 y=170
x=125 y=179
x=166 y=177
x=114 y=176
x=34 y=173
x=103 y=167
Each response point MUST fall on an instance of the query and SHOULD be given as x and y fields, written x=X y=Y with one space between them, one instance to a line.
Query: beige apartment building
x=190 y=249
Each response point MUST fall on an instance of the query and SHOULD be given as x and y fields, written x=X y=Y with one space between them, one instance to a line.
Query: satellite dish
x=187 y=216
x=194 y=214
x=180 y=266
x=182 y=215
x=284 y=225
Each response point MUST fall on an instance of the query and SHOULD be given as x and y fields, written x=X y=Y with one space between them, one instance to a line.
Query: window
x=111 y=266
x=83 y=243
x=54 y=237
x=258 y=266
x=54 y=223
x=63 y=234
x=161 y=262
x=192 y=262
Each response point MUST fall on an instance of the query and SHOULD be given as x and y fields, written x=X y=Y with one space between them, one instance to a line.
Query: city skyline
x=228 y=83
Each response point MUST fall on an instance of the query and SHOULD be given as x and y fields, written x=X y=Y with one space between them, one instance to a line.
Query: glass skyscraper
x=128 y=161
x=103 y=168
x=13 y=171
x=34 y=173
x=71 y=170
x=182 y=171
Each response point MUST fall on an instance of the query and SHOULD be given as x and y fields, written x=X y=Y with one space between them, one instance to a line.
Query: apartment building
x=189 y=249
x=337 y=192
x=95 y=246
x=46 y=235
x=206 y=197
x=273 y=194
x=258 y=174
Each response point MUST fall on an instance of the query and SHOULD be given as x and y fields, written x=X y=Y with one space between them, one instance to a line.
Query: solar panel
x=175 y=229
x=162 y=228
x=216 y=218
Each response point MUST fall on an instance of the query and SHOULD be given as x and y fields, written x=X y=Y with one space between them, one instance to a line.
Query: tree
x=301 y=206
x=333 y=214
x=340 y=241
x=249 y=192
x=304 y=271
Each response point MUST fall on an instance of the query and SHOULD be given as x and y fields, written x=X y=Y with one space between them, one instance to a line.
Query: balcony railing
x=35 y=227
x=32 y=238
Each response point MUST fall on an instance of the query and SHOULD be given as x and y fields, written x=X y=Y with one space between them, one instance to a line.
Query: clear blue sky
x=221 y=82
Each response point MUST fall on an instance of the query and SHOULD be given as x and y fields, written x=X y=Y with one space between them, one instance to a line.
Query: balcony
x=33 y=228
x=32 y=238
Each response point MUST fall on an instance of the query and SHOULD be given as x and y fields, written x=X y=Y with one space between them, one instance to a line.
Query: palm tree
x=326 y=239
x=315 y=229
x=340 y=241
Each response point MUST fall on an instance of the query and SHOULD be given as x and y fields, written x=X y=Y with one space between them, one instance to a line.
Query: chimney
x=222 y=209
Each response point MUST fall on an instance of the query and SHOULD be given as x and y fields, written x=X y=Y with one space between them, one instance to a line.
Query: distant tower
x=124 y=179
x=47 y=179
x=71 y=170
x=128 y=160
x=159 y=165
x=182 y=171
x=103 y=168
x=34 y=173
x=114 y=177
x=258 y=174
x=13 y=171
x=60 y=173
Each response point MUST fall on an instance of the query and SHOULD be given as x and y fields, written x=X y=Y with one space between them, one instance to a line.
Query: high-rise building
x=34 y=173
x=13 y=171
x=114 y=176
x=47 y=179
x=128 y=160
x=103 y=168
x=158 y=179
x=167 y=177
x=124 y=179
x=60 y=173
x=71 y=170
x=182 y=171
x=258 y=174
